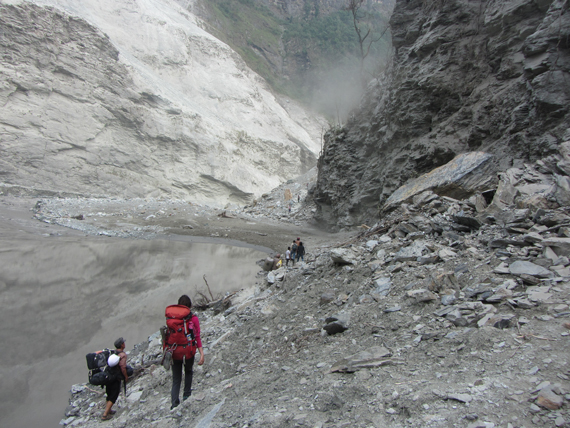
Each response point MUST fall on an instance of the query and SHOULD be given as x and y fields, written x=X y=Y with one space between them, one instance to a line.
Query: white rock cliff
x=133 y=99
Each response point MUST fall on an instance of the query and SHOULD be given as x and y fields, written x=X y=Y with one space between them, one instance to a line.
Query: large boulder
x=459 y=178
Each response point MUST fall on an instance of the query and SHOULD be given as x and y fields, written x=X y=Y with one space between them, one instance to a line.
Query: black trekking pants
x=177 y=380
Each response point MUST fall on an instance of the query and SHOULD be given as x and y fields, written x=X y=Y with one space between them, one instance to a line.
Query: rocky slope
x=490 y=76
x=134 y=99
x=445 y=313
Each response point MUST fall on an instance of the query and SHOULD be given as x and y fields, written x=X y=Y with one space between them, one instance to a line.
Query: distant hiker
x=300 y=252
x=298 y=198
x=294 y=251
x=289 y=207
x=287 y=256
x=118 y=367
x=277 y=263
x=182 y=339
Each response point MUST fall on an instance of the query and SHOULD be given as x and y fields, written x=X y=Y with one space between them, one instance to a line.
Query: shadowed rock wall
x=491 y=76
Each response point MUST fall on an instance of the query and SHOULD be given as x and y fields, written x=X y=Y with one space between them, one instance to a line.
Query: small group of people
x=295 y=252
x=184 y=361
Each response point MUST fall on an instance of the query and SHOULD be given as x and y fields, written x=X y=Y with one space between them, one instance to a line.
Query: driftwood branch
x=207 y=285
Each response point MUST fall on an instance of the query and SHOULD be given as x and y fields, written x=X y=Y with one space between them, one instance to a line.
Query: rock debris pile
x=287 y=203
x=446 y=312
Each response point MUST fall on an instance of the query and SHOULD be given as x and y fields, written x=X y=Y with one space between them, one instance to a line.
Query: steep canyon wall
x=466 y=75
x=134 y=99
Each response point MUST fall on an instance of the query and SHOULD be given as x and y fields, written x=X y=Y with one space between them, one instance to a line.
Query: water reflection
x=64 y=297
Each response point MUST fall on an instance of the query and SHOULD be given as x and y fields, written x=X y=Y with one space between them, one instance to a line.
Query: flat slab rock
x=523 y=267
x=561 y=245
x=373 y=357
x=463 y=398
x=459 y=177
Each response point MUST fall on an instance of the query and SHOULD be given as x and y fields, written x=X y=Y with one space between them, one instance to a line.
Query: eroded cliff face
x=134 y=99
x=490 y=76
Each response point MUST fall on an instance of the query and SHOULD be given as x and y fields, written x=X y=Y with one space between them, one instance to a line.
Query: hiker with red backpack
x=181 y=340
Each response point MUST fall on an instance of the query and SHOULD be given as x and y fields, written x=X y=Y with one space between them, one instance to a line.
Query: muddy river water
x=64 y=294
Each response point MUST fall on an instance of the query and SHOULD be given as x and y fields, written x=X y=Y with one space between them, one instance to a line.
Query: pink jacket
x=196 y=324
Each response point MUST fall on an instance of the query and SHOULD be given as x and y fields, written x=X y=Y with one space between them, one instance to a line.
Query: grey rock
x=499 y=295
x=481 y=424
x=383 y=286
x=371 y=358
x=503 y=243
x=562 y=192
x=207 y=419
x=533 y=237
x=76 y=389
x=72 y=411
x=67 y=421
x=457 y=318
x=371 y=244
x=551 y=218
x=422 y=295
x=444 y=311
x=271 y=278
x=463 y=398
x=524 y=267
x=337 y=323
x=327 y=298
x=524 y=303
x=343 y=256
x=428 y=260
x=500 y=321
x=328 y=402
x=448 y=299
x=446 y=254
x=534 y=408
x=560 y=245
x=502 y=268
x=470 y=222
x=411 y=252
x=505 y=194
x=463 y=175
x=424 y=198
x=335 y=327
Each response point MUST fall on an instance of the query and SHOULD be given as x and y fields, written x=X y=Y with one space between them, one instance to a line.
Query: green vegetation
x=290 y=52
x=329 y=38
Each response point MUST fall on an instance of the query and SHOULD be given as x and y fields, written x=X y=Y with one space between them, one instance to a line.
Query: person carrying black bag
x=118 y=369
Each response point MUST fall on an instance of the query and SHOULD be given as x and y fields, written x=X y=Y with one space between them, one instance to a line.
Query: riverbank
x=81 y=282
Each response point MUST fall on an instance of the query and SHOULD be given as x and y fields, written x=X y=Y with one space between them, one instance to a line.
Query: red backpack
x=180 y=338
